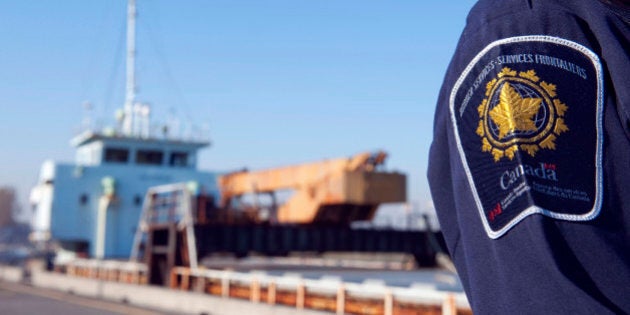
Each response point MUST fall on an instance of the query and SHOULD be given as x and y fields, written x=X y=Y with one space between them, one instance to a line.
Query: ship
x=71 y=210
x=93 y=207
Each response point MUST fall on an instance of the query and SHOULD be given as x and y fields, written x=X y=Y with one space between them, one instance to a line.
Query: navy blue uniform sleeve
x=529 y=167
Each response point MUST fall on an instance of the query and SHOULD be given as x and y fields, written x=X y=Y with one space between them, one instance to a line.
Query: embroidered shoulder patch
x=527 y=114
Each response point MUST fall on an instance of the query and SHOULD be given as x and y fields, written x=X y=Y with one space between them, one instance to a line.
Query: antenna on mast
x=86 y=124
x=130 y=95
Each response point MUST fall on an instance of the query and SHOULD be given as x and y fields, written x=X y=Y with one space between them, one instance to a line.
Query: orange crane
x=336 y=191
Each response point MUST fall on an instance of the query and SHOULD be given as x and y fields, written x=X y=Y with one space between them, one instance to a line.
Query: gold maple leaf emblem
x=514 y=112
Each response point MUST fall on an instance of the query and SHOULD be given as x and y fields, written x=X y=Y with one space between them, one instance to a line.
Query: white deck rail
x=326 y=294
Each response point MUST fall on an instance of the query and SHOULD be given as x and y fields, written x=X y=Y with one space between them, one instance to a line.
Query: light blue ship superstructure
x=69 y=195
x=93 y=205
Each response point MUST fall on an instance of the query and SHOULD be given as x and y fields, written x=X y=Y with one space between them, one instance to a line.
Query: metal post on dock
x=389 y=303
x=341 y=299
x=255 y=290
x=299 y=298
x=449 y=307
x=225 y=285
x=271 y=293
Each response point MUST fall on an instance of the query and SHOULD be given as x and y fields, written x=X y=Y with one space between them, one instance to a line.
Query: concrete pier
x=158 y=298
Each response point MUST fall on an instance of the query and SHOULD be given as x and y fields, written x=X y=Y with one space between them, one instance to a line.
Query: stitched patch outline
x=527 y=114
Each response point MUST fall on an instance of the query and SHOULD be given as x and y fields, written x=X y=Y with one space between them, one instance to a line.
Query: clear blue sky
x=276 y=82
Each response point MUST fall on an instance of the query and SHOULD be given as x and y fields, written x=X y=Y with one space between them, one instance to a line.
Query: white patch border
x=597 y=205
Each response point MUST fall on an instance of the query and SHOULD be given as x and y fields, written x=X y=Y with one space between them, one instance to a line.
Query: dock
x=205 y=291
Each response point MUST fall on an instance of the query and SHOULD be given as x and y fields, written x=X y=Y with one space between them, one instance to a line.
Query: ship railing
x=108 y=270
x=326 y=294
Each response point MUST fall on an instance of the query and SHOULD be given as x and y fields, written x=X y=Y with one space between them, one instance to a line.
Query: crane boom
x=331 y=191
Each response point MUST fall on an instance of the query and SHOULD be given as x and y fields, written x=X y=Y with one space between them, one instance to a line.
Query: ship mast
x=130 y=95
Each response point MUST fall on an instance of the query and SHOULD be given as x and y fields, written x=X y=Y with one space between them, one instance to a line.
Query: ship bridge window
x=83 y=199
x=137 y=200
x=116 y=155
x=150 y=157
x=179 y=159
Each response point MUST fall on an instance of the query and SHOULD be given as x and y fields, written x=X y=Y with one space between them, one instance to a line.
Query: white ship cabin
x=111 y=174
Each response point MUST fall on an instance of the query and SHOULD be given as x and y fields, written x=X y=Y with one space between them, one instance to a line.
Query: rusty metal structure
x=180 y=224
